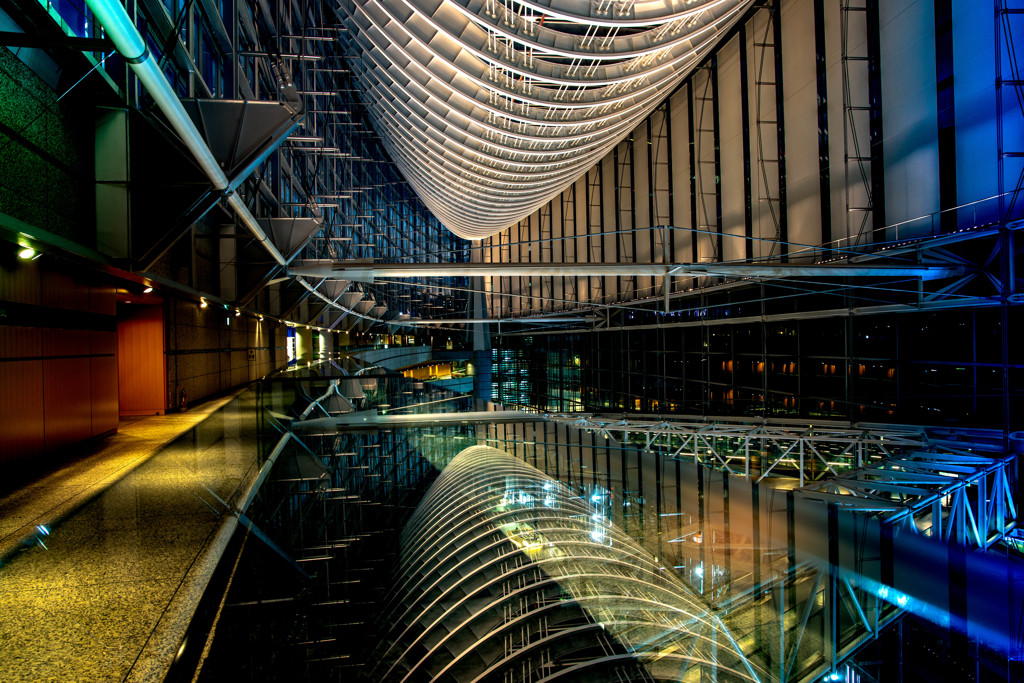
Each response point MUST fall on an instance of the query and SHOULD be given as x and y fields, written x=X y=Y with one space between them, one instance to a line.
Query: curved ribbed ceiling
x=491 y=107
x=506 y=574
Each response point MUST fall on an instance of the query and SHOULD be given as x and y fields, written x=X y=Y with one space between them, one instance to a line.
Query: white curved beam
x=496 y=549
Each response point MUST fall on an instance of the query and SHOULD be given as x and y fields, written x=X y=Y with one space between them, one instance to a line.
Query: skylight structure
x=491 y=107
x=505 y=574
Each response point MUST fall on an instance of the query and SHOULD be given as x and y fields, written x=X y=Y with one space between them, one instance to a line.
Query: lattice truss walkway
x=805 y=597
x=951 y=486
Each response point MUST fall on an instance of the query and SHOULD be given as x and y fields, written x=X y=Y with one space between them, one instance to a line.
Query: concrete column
x=481 y=344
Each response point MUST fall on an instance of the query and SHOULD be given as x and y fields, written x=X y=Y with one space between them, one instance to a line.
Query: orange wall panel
x=67 y=413
x=58 y=342
x=103 y=388
x=62 y=290
x=140 y=359
x=19 y=342
x=103 y=343
x=58 y=381
x=21 y=410
x=102 y=299
x=22 y=284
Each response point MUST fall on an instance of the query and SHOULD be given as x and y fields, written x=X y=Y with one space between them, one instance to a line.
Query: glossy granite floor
x=104 y=561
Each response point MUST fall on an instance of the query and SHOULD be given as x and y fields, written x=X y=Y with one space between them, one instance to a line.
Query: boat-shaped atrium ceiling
x=492 y=107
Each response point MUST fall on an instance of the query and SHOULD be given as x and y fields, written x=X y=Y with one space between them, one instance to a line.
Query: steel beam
x=931 y=503
x=13 y=39
x=369 y=272
x=486 y=321
x=370 y=419
x=121 y=30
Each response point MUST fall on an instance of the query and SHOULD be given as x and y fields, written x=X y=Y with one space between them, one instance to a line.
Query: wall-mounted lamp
x=28 y=254
x=147 y=290
x=237 y=312
x=202 y=303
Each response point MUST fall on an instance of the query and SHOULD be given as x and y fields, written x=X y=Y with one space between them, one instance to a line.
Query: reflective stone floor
x=104 y=561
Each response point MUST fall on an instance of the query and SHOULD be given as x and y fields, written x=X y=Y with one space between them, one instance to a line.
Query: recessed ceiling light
x=26 y=253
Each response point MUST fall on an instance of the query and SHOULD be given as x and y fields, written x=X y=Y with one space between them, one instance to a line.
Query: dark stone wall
x=46 y=154
x=208 y=350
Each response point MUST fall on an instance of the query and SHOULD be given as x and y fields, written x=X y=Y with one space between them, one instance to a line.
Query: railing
x=757 y=448
x=965 y=218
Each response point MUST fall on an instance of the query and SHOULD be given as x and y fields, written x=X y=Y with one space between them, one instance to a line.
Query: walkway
x=118 y=548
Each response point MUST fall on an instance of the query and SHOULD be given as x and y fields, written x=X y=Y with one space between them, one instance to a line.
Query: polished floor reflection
x=505 y=572
x=107 y=592
x=306 y=588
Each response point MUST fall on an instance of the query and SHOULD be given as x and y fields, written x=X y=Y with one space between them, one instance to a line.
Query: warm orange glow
x=142 y=376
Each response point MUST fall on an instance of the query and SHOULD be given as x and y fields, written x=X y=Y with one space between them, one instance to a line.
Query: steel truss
x=757 y=449
x=953 y=495
x=962 y=498
x=917 y=478
x=820 y=594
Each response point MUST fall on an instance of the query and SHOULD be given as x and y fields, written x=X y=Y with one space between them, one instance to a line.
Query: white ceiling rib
x=492 y=107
